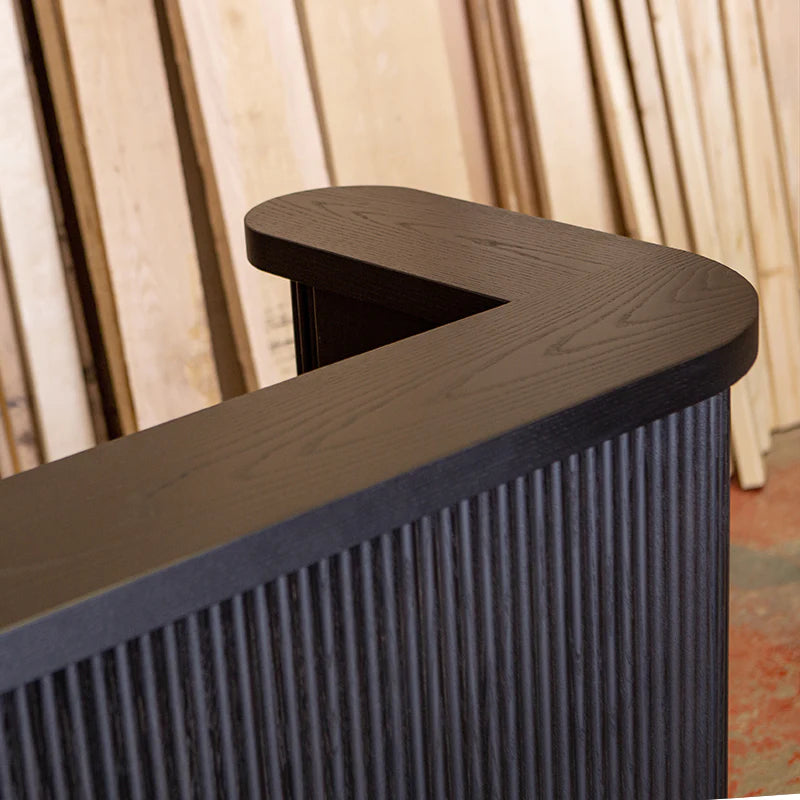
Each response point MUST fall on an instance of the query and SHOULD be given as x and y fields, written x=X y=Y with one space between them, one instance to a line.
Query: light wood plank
x=388 y=104
x=575 y=184
x=684 y=116
x=21 y=436
x=70 y=127
x=619 y=107
x=253 y=118
x=7 y=465
x=516 y=119
x=497 y=128
x=702 y=29
x=141 y=224
x=770 y=227
x=779 y=22
x=464 y=77
x=655 y=123
x=35 y=273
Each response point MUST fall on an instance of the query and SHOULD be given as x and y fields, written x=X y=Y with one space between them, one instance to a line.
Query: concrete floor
x=764 y=667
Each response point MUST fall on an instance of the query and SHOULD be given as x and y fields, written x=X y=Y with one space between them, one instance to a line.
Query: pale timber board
x=463 y=74
x=619 y=107
x=772 y=238
x=70 y=129
x=498 y=133
x=684 y=116
x=514 y=109
x=34 y=268
x=702 y=31
x=135 y=174
x=780 y=32
x=20 y=427
x=389 y=108
x=575 y=182
x=252 y=112
x=655 y=122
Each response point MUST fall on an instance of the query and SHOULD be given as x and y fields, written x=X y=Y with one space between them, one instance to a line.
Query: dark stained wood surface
x=599 y=334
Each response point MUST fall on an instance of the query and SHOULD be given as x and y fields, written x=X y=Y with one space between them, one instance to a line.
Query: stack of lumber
x=135 y=136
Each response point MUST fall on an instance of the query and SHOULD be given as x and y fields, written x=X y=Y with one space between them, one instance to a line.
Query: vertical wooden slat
x=772 y=237
x=251 y=111
x=113 y=112
x=575 y=184
x=619 y=108
x=33 y=263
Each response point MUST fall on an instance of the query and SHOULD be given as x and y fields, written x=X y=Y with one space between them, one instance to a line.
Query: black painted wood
x=573 y=337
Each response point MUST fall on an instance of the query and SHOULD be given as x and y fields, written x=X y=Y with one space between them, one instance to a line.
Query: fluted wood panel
x=560 y=635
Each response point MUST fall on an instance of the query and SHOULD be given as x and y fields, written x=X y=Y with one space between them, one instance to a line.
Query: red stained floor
x=764 y=667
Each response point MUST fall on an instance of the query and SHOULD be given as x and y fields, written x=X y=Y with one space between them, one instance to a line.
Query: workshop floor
x=764 y=710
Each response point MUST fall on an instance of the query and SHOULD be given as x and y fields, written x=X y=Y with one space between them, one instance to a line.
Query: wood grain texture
x=772 y=238
x=702 y=28
x=252 y=114
x=33 y=261
x=641 y=51
x=779 y=25
x=132 y=164
x=388 y=104
x=619 y=107
x=575 y=184
x=600 y=335
x=18 y=418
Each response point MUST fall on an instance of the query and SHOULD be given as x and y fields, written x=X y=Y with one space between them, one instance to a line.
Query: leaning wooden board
x=702 y=30
x=33 y=266
x=254 y=124
x=389 y=108
x=779 y=22
x=624 y=132
x=772 y=237
x=575 y=182
x=20 y=429
x=113 y=108
x=682 y=106
x=651 y=104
